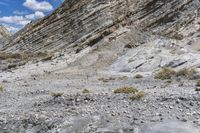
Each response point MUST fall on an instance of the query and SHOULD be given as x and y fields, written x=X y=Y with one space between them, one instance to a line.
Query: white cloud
x=36 y=15
x=39 y=14
x=21 y=20
x=17 y=12
x=38 y=6
x=18 y=20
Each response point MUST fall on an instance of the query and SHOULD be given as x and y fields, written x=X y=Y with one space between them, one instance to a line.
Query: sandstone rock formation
x=82 y=23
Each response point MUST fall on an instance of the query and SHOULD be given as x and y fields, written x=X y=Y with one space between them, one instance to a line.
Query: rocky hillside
x=82 y=23
x=4 y=36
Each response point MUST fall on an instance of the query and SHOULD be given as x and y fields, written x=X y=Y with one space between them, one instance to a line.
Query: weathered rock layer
x=82 y=23
x=4 y=36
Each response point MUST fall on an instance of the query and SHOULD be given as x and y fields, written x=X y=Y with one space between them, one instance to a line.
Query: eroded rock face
x=4 y=36
x=82 y=23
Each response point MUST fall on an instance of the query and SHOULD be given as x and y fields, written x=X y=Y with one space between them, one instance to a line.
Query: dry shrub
x=138 y=76
x=138 y=96
x=126 y=90
x=106 y=79
x=56 y=94
x=168 y=73
x=85 y=91
x=165 y=73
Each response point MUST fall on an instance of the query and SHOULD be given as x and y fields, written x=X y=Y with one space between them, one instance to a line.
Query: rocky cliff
x=83 y=23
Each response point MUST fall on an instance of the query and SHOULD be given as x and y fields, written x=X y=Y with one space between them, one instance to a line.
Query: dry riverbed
x=84 y=101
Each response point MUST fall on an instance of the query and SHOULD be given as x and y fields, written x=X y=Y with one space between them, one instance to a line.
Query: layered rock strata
x=4 y=36
x=82 y=23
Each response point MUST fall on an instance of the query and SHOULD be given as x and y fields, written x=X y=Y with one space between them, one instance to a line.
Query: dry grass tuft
x=138 y=76
x=4 y=56
x=1 y=88
x=126 y=90
x=122 y=78
x=56 y=94
x=165 y=73
x=85 y=91
x=138 y=96
x=105 y=80
x=24 y=55
x=198 y=83
x=189 y=73
x=168 y=73
x=168 y=81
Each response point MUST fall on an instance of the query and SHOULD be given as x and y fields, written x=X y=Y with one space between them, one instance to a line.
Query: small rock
x=184 y=120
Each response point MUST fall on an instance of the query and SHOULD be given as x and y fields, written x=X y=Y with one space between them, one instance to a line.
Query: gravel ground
x=29 y=104
x=47 y=97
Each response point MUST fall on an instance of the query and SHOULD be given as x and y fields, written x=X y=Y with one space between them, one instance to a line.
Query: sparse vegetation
x=198 y=83
x=186 y=72
x=106 y=79
x=138 y=76
x=138 y=96
x=42 y=54
x=130 y=45
x=23 y=55
x=85 y=91
x=56 y=94
x=126 y=90
x=17 y=59
x=168 y=81
x=123 y=78
x=197 y=89
x=1 y=88
x=165 y=73
x=4 y=56
x=168 y=73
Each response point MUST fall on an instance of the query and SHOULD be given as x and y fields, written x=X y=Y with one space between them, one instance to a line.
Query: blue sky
x=15 y=14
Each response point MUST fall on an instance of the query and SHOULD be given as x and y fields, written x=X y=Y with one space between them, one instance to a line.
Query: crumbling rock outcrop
x=82 y=23
x=4 y=36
